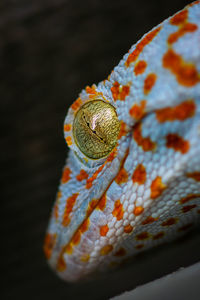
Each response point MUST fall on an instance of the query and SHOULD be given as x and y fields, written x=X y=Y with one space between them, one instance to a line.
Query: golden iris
x=96 y=128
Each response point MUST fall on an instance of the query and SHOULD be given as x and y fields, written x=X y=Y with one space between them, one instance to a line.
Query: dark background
x=49 y=51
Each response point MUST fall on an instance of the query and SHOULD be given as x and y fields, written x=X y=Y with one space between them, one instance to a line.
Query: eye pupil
x=99 y=139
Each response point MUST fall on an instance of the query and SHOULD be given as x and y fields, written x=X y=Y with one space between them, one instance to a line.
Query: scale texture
x=147 y=190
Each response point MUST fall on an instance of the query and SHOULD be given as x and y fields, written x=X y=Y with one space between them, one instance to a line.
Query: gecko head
x=92 y=131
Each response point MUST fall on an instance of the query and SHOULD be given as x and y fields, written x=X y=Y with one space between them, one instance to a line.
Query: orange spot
x=61 y=264
x=67 y=127
x=149 y=220
x=84 y=226
x=179 y=18
x=76 y=238
x=102 y=203
x=91 y=206
x=122 y=176
x=142 y=236
x=66 y=175
x=194 y=175
x=93 y=93
x=180 y=112
x=140 y=246
x=119 y=92
x=123 y=130
x=85 y=257
x=186 y=28
x=118 y=211
x=138 y=210
x=49 y=242
x=169 y=222
x=90 y=180
x=112 y=155
x=76 y=104
x=177 y=143
x=103 y=230
x=59 y=195
x=185 y=227
x=194 y=3
x=68 y=139
x=90 y=90
x=186 y=73
x=159 y=235
x=68 y=249
x=83 y=175
x=120 y=252
x=157 y=187
x=128 y=228
x=140 y=67
x=55 y=209
x=106 y=249
x=140 y=46
x=137 y=111
x=145 y=143
x=189 y=197
x=68 y=209
x=188 y=208
x=149 y=82
x=139 y=175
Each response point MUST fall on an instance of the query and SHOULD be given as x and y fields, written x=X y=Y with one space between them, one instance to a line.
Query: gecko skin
x=146 y=189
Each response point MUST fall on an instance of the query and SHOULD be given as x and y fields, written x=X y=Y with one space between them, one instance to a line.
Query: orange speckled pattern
x=157 y=187
x=146 y=191
x=194 y=175
x=177 y=143
x=83 y=175
x=120 y=92
x=180 y=112
x=140 y=46
x=49 y=243
x=142 y=236
x=68 y=209
x=66 y=175
x=181 y=20
x=103 y=230
x=128 y=228
x=169 y=222
x=149 y=82
x=138 y=111
x=145 y=142
x=139 y=174
x=140 y=67
x=118 y=210
x=186 y=73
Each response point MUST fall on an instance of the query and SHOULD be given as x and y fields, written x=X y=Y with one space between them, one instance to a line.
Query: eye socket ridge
x=95 y=129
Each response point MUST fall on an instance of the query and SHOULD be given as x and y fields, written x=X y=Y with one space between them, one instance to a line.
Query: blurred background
x=49 y=51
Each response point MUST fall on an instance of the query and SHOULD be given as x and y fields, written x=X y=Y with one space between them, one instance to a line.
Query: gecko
x=132 y=177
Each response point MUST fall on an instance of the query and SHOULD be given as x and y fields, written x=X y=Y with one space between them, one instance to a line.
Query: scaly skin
x=147 y=190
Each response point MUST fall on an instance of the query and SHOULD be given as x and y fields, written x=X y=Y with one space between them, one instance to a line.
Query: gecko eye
x=96 y=128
